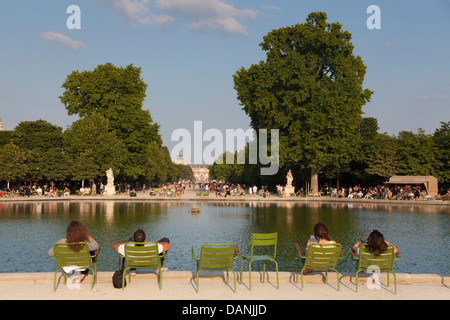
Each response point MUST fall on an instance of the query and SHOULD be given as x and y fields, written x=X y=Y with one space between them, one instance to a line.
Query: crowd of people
x=224 y=189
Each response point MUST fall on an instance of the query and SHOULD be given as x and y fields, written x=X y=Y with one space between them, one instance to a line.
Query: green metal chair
x=262 y=243
x=216 y=257
x=67 y=258
x=383 y=262
x=320 y=257
x=142 y=255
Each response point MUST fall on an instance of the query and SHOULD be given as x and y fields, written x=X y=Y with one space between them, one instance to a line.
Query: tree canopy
x=310 y=87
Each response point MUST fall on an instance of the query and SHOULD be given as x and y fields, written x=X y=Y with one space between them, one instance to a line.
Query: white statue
x=289 y=178
x=110 y=177
x=110 y=189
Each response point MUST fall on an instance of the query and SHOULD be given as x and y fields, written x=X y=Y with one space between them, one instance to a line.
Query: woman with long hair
x=76 y=232
x=321 y=235
x=375 y=244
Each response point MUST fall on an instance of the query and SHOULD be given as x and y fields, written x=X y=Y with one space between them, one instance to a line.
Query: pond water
x=29 y=229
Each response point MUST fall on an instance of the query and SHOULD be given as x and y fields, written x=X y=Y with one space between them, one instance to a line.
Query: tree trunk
x=314 y=180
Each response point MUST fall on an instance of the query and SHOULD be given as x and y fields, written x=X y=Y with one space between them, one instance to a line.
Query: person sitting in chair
x=139 y=236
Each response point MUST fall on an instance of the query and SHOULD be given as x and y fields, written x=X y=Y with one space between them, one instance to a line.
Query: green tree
x=54 y=165
x=41 y=140
x=418 y=154
x=441 y=138
x=310 y=88
x=117 y=94
x=13 y=163
x=382 y=157
x=93 y=148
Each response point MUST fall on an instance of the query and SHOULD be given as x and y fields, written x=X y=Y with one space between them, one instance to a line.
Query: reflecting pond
x=29 y=229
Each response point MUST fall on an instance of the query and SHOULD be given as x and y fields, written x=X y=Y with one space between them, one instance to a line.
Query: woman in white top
x=321 y=235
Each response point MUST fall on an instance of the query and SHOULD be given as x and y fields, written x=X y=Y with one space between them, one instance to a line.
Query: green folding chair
x=67 y=258
x=320 y=257
x=142 y=255
x=261 y=243
x=216 y=257
x=384 y=262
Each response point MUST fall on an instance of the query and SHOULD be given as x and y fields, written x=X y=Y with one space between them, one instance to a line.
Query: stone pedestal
x=110 y=190
x=288 y=191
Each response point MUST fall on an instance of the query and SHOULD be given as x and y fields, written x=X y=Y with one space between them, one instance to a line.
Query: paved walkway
x=191 y=195
x=178 y=285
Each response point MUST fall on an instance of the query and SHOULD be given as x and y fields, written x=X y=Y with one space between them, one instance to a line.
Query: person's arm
x=92 y=244
x=396 y=251
x=117 y=245
x=358 y=244
x=165 y=246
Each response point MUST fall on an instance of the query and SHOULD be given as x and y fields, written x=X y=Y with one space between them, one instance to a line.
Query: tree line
x=310 y=88
x=113 y=131
x=376 y=157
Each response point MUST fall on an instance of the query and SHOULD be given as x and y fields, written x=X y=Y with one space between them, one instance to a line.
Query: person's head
x=76 y=232
x=376 y=243
x=321 y=231
x=139 y=236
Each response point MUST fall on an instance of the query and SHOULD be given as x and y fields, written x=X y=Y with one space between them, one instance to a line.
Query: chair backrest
x=384 y=261
x=323 y=256
x=66 y=257
x=142 y=255
x=264 y=240
x=217 y=256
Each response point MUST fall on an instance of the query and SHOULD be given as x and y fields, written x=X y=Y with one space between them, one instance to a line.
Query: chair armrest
x=297 y=248
x=193 y=255
x=238 y=253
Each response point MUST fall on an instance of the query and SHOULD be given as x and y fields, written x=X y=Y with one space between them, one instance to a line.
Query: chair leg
x=264 y=272
x=196 y=277
x=356 y=281
x=160 y=279
x=123 y=279
x=276 y=270
x=250 y=275
x=337 y=275
x=54 y=280
x=301 y=276
x=395 y=282
x=242 y=264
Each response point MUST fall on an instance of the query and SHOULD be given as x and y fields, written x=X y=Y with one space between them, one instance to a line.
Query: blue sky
x=189 y=50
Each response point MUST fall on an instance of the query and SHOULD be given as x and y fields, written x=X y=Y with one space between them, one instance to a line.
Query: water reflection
x=29 y=229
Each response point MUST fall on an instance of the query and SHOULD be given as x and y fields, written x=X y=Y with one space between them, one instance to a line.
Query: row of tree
x=113 y=131
x=375 y=158
x=310 y=88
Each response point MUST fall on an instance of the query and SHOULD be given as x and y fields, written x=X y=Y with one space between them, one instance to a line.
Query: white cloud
x=209 y=14
x=440 y=96
x=270 y=7
x=225 y=25
x=137 y=13
x=200 y=14
x=62 y=39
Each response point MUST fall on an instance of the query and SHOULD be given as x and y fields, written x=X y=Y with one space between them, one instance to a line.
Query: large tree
x=310 y=87
x=93 y=148
x=43 y=143
x=117 y=94
x=13 y=163
x=441 y=139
